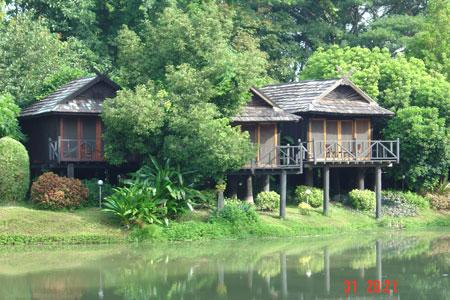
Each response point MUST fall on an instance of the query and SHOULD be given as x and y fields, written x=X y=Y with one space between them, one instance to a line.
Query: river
x=387 y=266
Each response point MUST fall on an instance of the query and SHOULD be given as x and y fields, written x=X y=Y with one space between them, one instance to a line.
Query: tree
x=432 y=44
x=199 y=36
x=394 y=82
x=30 y=54
x=191 y=135
x=425 y=147
x=9 y=111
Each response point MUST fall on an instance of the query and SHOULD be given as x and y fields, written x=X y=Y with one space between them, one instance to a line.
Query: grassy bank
x=22 y=225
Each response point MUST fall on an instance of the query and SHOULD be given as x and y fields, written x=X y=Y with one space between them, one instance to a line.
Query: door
x=347 y=142
x=69 y=142
x=88 y=139
x=331 y=139
x=267 y=149
x=317 y=139
x=362 y=136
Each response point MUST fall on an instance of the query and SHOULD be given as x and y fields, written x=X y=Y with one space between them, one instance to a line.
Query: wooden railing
x=352 y=151
x=75 y=150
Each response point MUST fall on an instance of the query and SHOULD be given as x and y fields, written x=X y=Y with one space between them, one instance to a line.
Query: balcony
x=329 y=152
x=75 y=150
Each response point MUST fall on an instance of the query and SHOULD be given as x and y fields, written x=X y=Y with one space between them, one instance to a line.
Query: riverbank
x=23 y=225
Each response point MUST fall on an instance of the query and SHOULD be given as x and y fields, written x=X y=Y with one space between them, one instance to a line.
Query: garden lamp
x=100 y=183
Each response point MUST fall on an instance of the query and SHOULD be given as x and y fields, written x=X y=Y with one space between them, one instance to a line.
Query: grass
x=25 y=225
x=340 y=219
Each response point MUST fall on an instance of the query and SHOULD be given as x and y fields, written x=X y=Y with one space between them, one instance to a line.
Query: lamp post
x=100 y=184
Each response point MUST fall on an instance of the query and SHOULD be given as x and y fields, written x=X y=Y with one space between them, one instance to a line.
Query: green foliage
x=425 y=147
x=408 y=197
x=9 y=111
x=165 y=128
x=14 y=171
x=236 y=212
x=440 y=202
x=267 y=201
x=30 y=54
x=58 y=79
x=311 y=195
x=93 y=188
x=304 y=208
x=362 y=199
x=135 y=205
x=51 y=191
x=153 y=195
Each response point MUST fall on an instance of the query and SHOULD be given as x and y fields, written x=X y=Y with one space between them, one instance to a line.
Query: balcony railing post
x=356 y=149
x=288 y=154
x=300 y=155
x=314 y=151
x=398 y=150
x=59 y=149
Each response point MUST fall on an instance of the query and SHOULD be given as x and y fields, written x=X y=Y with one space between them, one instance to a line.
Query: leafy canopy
x=9 y=111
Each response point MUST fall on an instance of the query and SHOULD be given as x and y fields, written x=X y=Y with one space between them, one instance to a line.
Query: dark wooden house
x=336 y=131
x=64 y=130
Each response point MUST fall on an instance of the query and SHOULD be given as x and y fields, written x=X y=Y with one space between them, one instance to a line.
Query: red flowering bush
x=51 y=191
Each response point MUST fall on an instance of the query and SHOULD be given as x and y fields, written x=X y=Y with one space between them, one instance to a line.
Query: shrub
x=92 y=186
x=51 y=191
x=208 y=197
x=135 y=205
x=267 y=201
x=362 y=199
x=395 y=205
x=14 y=170
x=236 y=211
x=407 y=197
x=311 y=195
x=440 y=202
x=305 y=208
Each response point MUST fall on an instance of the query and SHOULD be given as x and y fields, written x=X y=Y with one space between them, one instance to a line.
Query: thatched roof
x=64 y=99
x=333 y=96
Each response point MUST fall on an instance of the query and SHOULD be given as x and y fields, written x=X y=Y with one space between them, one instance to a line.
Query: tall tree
x=29 y=54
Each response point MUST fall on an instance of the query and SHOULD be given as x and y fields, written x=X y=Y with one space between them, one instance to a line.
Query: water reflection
x=274 y=269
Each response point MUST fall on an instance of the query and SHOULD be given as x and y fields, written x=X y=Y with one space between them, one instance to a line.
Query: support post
x=326 y=189
x=70 y=170
x=378 y=192
x=266 y=183
x=249 y=196
x=220 y=200
x=309 y=177
x=283 y=181
x=361 y=178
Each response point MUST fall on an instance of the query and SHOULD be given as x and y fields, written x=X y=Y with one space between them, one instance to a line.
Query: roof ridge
x=300 y=81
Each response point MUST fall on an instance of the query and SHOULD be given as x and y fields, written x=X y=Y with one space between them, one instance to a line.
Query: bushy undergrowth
x=311 y=195
x=407 y=197
x=394 y=204
x=51 y=191
x=362 y=199
x=304 y=208
x=155 y=194
x=235 y=211
x=439 y=202
x=267 y=201
x=92 y=186
x=14 y=171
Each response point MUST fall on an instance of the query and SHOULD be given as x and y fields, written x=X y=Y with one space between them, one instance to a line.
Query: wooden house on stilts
x=333 y=129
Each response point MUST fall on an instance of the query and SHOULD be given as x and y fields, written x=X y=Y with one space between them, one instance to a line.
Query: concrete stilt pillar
x=70 y=171
x=249 y=195
x=283 y=182
x=233 y=183
x=378 y=192
x=309 y=177
x=360 y=180
x=326 y=263
x=266 y=183
x=220 y=200
x=326 y=189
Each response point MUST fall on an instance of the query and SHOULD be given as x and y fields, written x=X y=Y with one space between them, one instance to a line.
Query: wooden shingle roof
x=59 y=101
x=332 y=96
x=260 y=109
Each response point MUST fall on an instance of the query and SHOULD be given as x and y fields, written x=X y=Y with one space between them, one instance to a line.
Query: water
x=308 y=268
